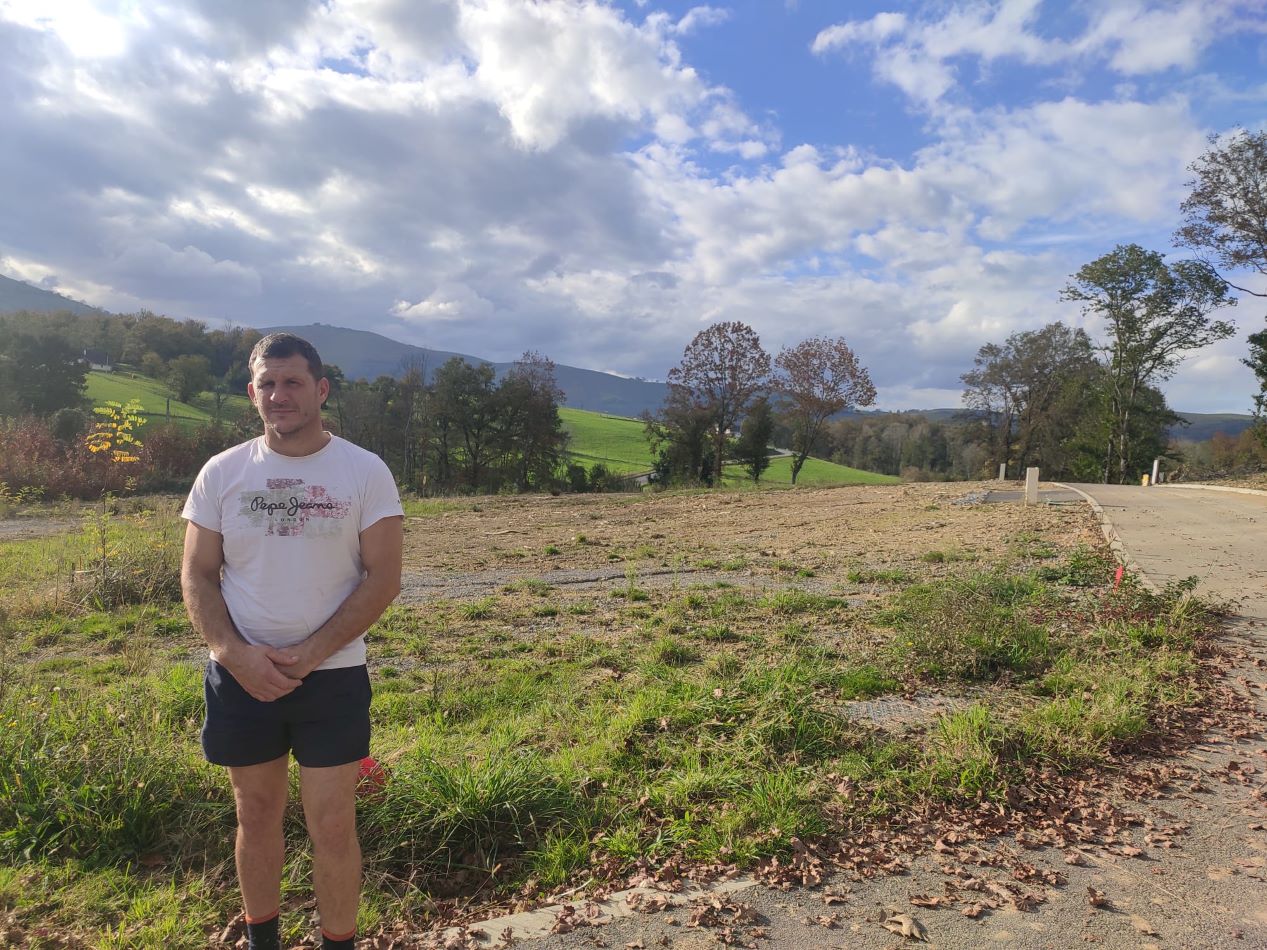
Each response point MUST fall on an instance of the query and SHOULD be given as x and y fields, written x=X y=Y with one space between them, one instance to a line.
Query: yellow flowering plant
x=114 y=432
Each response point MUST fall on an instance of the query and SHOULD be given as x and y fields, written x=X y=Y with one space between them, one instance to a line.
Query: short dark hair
x=278 y=346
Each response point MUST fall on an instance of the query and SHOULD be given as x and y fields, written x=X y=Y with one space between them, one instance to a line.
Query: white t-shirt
x=291 y=529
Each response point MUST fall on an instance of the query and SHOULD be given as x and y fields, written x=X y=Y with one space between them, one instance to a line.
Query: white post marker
x=1031 y=486
x=1003 y=471
x=1156 y=465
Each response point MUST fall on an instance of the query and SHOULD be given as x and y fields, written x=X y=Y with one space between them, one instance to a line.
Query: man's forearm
x=355 y=615
x=208 y=613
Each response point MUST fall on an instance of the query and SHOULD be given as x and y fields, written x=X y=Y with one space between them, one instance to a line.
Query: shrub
x=971 y=628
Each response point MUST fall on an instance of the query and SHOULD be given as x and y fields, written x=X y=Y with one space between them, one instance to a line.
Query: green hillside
x=617 y=442
x=620 y=444
x=815 y=473
x=154 y=398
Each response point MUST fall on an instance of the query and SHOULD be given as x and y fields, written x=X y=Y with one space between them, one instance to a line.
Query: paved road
x=1172 y=532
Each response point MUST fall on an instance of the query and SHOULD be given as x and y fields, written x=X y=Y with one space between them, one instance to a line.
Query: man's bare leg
x=329 y=796
x=260 y=794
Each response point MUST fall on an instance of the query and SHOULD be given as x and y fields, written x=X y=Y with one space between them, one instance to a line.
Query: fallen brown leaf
x=904 y=925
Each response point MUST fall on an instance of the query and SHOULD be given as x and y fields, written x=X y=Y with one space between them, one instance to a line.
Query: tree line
x=461 y=430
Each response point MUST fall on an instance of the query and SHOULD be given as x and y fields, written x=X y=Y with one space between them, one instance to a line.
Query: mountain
x=363 y=354
x=1204 y=425
x=16 y=295
x=1199 y=427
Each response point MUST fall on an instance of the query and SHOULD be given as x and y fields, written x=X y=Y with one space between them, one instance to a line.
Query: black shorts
x=325 y=720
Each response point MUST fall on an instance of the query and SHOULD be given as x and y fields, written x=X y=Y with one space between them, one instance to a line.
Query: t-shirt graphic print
x=287 y=508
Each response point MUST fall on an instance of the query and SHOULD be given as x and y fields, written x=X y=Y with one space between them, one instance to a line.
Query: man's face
x=286 y=396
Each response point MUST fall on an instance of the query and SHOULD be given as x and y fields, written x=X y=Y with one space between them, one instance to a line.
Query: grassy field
x=815 y=473
x=617 y=442
x=539 y=736
x=156 y=398
x=621 y=445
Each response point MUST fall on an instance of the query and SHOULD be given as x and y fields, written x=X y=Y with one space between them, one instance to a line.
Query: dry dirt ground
x=758 y=538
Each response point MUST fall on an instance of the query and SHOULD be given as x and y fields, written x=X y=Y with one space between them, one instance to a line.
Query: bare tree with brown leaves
x=723 y=368
x=818 y=378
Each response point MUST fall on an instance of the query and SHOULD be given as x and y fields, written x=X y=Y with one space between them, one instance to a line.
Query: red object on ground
x=1117 y=578
x=370 y=777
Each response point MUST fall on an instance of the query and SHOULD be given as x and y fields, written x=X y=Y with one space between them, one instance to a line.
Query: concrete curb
x=533 y=924
x=1114 y=539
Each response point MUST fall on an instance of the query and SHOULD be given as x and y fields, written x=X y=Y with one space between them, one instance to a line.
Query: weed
x=793 y=600
x=971 y=628
x=961 y=756
x=794 y=633
x=945 y=557
x=718 y=633
x=478 y=609
x=670 y=652
x=865 y=681
x=631 y=591
x=1082 y=567
x=878 y=576
x=551 y=550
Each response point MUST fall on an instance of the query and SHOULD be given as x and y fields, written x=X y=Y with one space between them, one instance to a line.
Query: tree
x=722 y=370
x=188 y=376
x=752 y=448
x=532 y=435
x=1028 y=393
x=1154 y=313
x=39 y=374
x=466 y=404
x=817 y=379
x=1225 y=213
x=678 y=436
x=1258 y=363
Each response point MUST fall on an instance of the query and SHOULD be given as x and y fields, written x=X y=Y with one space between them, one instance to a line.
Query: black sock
x=263 y=934
x=346 y=942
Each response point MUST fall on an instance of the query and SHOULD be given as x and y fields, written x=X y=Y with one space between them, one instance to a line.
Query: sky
x=599 y=181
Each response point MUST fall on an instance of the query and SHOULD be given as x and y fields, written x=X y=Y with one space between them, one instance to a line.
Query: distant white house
x=98 y=359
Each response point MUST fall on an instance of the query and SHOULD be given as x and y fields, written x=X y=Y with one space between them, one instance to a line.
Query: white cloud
x=1144 y=40
x=450 y=302
x=86 y=30
x=490 y=176
x=549 y=65
x=1131 y=37
x=879 y=28
x=698 y=17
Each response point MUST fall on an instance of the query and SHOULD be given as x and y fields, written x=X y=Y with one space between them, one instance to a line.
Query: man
x=292 y=550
